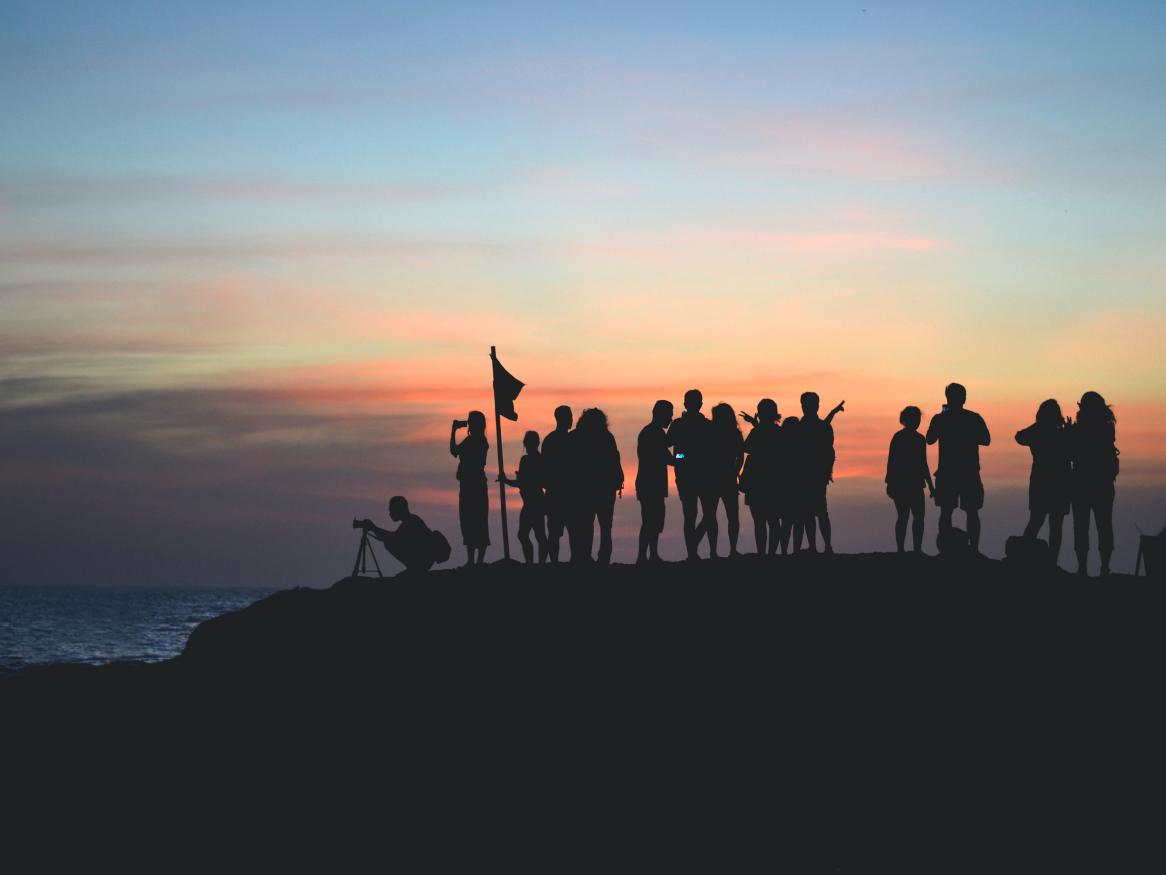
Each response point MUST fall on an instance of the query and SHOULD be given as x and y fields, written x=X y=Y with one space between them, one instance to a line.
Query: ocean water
x=45 y=624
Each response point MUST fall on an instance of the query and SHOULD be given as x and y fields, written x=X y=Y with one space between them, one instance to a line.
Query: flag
x=506 y=389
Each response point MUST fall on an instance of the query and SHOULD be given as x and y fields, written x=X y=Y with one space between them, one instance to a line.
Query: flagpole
x=501 y=469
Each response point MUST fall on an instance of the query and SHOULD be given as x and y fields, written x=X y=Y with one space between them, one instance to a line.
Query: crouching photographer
x=413 y=544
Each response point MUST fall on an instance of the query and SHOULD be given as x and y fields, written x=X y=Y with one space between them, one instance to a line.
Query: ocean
x=91 y=624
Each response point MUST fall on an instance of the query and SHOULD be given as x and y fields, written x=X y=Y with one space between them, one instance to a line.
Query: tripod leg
x=373 y=557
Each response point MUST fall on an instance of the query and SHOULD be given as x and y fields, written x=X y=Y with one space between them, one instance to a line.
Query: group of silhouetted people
x=569 y=480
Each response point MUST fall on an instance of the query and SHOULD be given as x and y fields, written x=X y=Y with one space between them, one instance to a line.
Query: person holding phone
x=653 y=460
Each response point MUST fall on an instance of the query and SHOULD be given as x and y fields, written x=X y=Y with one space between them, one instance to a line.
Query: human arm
x=749 y=418
x=836 y=410
x=454 y=448
x=933 y=429
x=982 y=437
x=1025 y=436
x=926 y=468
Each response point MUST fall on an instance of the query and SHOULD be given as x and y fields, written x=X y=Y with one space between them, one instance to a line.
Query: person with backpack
x=1095 y=466
x=412 y=543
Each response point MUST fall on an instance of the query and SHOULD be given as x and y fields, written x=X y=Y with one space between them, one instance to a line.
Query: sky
x=253 y=256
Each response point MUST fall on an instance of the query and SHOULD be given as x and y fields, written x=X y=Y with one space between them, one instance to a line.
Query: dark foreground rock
x=845 y=713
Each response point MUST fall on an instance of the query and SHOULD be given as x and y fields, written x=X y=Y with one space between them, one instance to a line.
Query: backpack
x=439 y=546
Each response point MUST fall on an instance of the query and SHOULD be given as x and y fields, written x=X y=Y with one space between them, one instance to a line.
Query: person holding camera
x=473 y=499
x=413 y=543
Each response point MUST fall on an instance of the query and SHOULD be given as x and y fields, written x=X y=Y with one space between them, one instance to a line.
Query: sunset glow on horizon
x=253 y=256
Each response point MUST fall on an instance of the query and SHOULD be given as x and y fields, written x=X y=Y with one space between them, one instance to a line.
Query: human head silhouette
x=564 y=417
x=956 y=395
x=910 y=417
x=1092 y=408
x=530 y=440
x=1049 y=414
x=592 y=420
x=398 y=508
x=662 y=413
x=693 y=400
x=723 y=416
x=767 y=411
x=810 y=403
x=477 y=422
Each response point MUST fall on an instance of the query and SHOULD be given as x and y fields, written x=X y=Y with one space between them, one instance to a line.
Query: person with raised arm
x=816 y=441
x=761 y=476
x=473 y=500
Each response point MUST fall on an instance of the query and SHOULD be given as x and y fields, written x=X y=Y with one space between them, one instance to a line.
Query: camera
x=357 y=524
x=461 y=423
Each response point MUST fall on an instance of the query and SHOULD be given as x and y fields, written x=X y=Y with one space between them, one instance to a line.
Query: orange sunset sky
x=251 y=265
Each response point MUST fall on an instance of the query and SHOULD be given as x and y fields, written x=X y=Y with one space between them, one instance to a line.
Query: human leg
x=605 y=512
x=1103 y=514
x=733 y=515
x=917 y=511
x=688 y=503
x=708 y=520
x=1056 y=534
x=760 y=525
x=902 y=511
x=1081 y=510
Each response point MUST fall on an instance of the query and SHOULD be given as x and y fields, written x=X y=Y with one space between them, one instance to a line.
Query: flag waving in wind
x=506 y=389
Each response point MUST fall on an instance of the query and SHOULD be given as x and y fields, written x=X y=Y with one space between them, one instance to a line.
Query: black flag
x=506 y=389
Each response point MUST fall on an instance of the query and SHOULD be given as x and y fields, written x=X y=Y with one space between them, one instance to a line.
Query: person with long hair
x=473 y=503
x=907 y=474
x=760 y=479
x=598 y=476
x=1095 y=466
x=726 y=455
x=1049 y=481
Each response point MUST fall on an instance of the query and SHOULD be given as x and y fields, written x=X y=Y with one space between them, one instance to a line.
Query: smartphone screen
x=680 y=455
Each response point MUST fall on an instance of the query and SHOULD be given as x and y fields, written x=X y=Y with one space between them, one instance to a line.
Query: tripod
x=363 y=554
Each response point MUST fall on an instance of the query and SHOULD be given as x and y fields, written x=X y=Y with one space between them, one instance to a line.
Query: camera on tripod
x=364 y=553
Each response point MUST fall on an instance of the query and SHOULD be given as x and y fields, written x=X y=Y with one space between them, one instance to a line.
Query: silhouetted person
x=597 y=476
x=1095 y=466
x=653 y=459
x=556 y=461
x=726 y=455
x=791 y=485
x=689 y=436
x=761 y=478
x=532 y=517
x=960 y=434
x=411 y=543
x=1049 y=483
x=907 y=474
x=473 y=502
x=816 y=441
